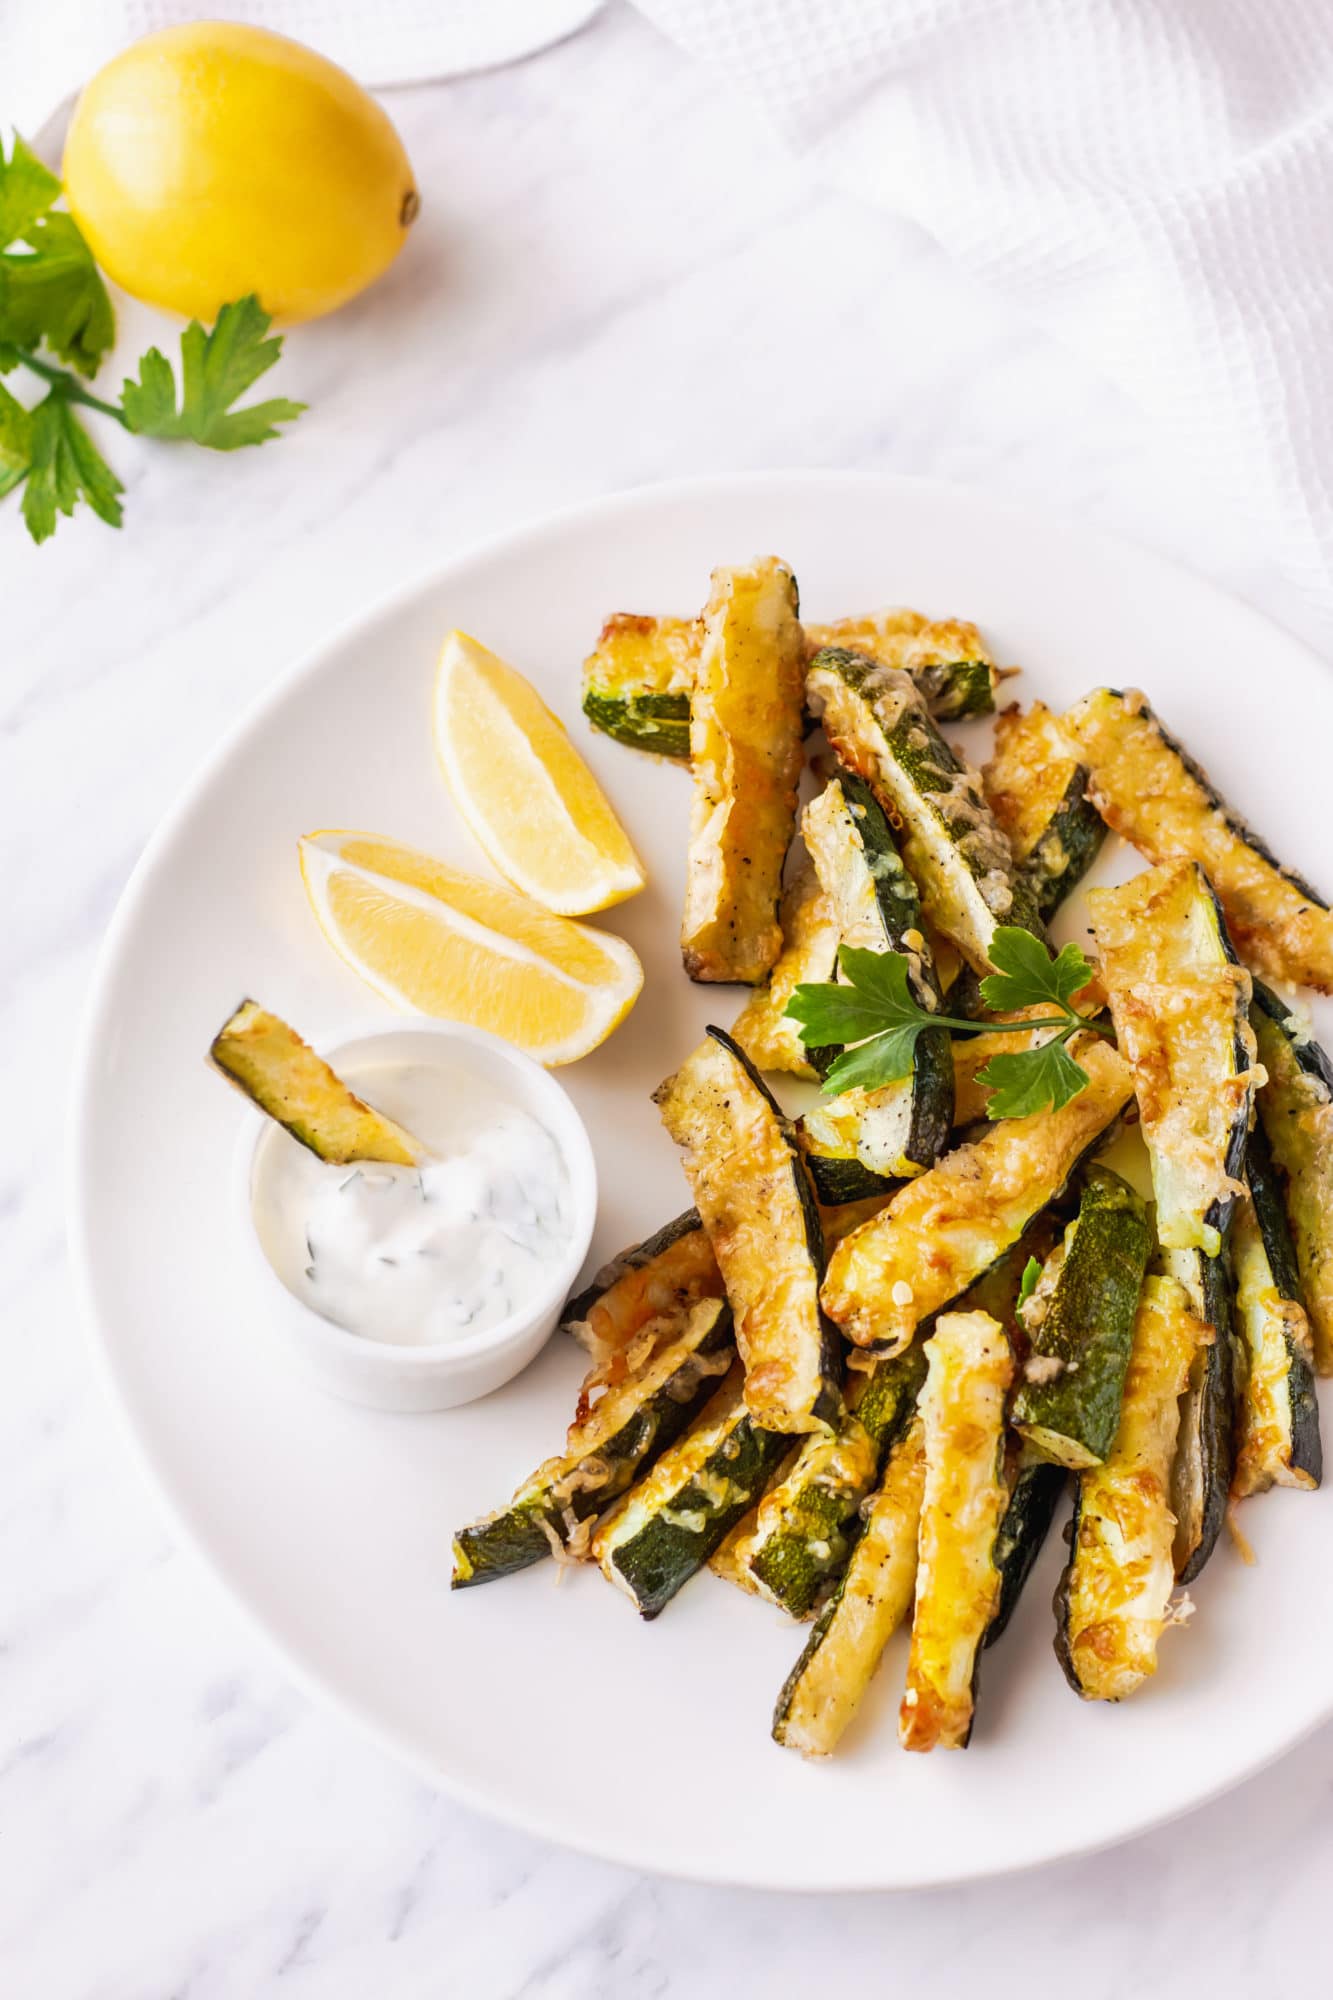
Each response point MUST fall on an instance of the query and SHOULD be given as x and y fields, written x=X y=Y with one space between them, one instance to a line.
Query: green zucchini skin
x=648 y=1416
x=838 y=1179
x=1087 y=1328
x=1307 y=1052
x=657 y=1561
x=1066 y=849
x=807 y=1536
x=656 y=722
x=881 y=729
x=1205 y=1451
x=637 y=1258
x=958 y=689
x=1304 y=1455
x=1026 y=1524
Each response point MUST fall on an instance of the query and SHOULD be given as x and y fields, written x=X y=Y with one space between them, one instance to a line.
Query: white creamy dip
x=419 y=1255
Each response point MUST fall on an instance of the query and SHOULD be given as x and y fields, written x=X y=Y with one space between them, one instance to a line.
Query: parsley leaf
x=874 y=1017
x=52 y=292
x=15 y=441
x=876 y=1002
x=1027 y=1284
x=27 y=190
x=66 y=468
x=875 y=997
x=1031 y=1079
x=1025 y=973
x=216 y=368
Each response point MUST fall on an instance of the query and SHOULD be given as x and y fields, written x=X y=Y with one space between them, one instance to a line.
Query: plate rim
x=308 y=1677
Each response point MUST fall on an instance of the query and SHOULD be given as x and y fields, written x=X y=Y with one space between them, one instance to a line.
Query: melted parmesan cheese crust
x=875 y=1597
x=746 y=718
x=1143 y=788
x=1180 y=1008
x=641 y=655
x=1297 y=1116
x=970 y=1368
x=941 y=1231
x=1121 y=1575
x=743 y=1170
x=837 y=1469
x=1028 y=776
x=1271 y=1326
x=637 y=1295
x=810 y=935
x=902 y=638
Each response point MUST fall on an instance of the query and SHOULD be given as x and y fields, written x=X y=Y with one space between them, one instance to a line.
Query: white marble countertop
x=618 y=277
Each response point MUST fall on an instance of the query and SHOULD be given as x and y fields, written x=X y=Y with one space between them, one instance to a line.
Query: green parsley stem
x=71 y=388
x=1067 y=1020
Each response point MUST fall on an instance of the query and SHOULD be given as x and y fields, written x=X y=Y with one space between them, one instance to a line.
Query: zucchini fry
x=969 y=1370
x=745 y=747
x=755 y=1200
x=879 y=728
x=873 y=1596
x=270 y=1064
x=1039 y=795
x=1296 y=1109
x=1080 y=1319
x=1149 y=790
x=940 y=1232
x=638 y=679
x=1180 y=1003
x=1113 y=1598
x=1277 y=1418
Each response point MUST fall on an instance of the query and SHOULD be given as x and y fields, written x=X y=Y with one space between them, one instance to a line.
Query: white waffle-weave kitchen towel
x=48 y=48
x=1152 y=180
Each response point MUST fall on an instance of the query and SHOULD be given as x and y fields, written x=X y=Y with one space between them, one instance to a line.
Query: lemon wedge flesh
x=435 y=940
x=528 y=798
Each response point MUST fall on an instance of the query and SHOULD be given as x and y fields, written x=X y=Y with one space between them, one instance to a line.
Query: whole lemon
x=213 y=160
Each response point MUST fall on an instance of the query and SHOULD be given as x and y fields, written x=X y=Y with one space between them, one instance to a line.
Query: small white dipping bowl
x=387 y=1376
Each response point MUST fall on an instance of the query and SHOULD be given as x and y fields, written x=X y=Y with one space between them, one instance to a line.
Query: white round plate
x=542 y=1699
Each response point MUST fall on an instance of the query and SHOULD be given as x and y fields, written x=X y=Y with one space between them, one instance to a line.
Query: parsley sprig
x=873 y=1014
x=53 y=303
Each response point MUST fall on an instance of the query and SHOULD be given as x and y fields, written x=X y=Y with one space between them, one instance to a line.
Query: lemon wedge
x=527 y=796
x=435 y=940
